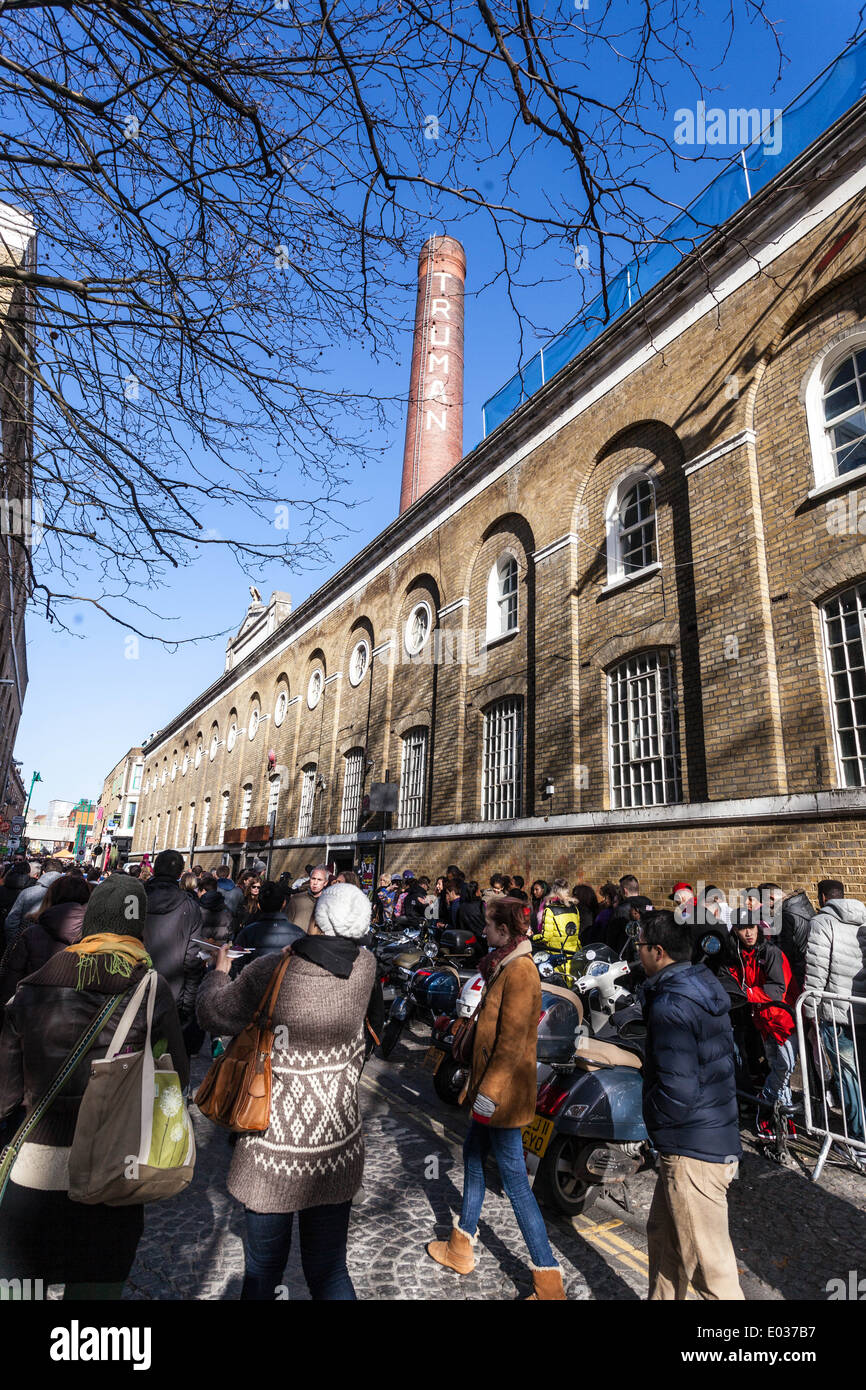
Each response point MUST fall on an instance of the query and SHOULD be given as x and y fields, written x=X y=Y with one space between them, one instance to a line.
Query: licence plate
x=433 y=1058
x=537 y=1135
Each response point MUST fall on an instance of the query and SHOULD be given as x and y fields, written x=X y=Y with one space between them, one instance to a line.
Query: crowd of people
x=214 y=942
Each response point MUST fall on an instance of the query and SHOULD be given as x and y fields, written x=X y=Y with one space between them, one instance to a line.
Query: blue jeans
x=323 y=1231
x=507 y=1148
x=836 y=1036
x=781 y=1061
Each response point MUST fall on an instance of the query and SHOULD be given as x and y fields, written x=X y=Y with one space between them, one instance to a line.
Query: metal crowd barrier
x=842 y=1053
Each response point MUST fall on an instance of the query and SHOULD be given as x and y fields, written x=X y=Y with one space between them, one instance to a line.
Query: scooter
x=450 y=1076
x=589 y=1130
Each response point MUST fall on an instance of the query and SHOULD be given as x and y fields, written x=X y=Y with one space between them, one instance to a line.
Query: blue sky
x=90 y=697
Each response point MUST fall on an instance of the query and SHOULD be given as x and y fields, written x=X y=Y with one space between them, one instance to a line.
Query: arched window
x=835 y=400
x=353 y=780
x=273 y=796
x=205 y=819
x=644 y=750
x=224 y=816
x=214 y=741
x=281 y=706
x=246 y=804
x=843 y=406
x=232 y=735
x=631 y=528
x=502 y=607
x=198 y=752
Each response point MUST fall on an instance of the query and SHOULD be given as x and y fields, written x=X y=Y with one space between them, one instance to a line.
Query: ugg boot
x=546 y=1285
x=457 y=1252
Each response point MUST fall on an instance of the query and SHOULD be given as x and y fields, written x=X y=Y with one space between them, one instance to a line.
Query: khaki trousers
x=687 y=1230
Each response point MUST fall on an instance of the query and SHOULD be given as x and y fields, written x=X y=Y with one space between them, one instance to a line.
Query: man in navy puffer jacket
x=690 y=1109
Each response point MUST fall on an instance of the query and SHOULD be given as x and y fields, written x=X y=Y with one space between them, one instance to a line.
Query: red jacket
x=765 y=975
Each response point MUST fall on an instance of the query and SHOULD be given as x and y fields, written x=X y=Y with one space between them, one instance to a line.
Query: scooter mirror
x=632 y=929
x=710 y=945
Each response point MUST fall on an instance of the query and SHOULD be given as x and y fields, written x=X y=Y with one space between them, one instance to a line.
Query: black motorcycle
x=428 y=988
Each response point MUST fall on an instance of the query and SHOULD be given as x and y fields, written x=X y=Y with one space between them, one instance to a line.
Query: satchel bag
x=236 y=1093
x=79 y=1051
x=133 y=1139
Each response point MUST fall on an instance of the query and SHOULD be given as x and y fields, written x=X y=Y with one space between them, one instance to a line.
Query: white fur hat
x=343 y=910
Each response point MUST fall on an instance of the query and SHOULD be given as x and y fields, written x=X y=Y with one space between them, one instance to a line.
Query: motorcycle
x=426 y=983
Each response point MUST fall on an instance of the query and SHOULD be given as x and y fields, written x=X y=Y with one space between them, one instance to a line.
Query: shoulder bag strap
x=80 y=1050
x=148 y=979
x=269 y=998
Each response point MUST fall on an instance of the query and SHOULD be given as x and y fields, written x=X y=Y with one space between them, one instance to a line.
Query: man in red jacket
x=763 y=973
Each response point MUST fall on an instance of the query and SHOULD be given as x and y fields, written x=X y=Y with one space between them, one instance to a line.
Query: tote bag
x=133 y=1139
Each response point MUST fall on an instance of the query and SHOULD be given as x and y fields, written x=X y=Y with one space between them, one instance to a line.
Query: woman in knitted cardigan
x=310 y=1160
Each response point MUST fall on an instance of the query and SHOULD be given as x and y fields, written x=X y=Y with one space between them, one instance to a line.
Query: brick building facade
x=644 y=590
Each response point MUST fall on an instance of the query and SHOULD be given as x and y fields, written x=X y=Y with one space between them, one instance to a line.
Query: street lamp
x=37 y=777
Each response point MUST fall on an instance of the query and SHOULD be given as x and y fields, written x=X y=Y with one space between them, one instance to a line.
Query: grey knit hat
x=118 y=905
x=343 y=910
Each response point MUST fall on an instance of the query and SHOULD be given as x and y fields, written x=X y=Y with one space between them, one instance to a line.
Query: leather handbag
x=236 y=1093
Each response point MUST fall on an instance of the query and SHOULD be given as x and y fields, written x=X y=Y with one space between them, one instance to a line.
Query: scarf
x=336 y=954
x=492 y=961
x=119 y=955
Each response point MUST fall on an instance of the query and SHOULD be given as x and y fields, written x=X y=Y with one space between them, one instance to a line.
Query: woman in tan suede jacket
x=501 y=1093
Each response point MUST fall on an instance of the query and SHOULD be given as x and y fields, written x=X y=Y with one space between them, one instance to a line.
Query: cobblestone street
x=791 y=1236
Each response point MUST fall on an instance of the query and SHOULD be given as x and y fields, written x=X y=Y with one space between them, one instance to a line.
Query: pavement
x=791 y=1236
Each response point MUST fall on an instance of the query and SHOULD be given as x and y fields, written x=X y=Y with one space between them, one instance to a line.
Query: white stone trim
x=624 y=581
x=547 y=550
x=845 y=801
x=452 y=607
x=752 y=264
x=840 y=482
x=337 y=676
x=382 y=647
x=718 y=451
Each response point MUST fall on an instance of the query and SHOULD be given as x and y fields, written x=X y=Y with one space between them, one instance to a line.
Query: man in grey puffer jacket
x=835 y=955
x=30 y=900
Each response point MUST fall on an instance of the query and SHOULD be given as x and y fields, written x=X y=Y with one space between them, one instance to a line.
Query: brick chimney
x=434 y=424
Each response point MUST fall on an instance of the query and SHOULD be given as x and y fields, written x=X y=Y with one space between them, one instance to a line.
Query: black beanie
x=118 y=905
x=168 y=864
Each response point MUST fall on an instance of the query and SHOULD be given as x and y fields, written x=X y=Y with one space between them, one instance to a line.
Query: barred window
x=224 y=816
x=273 y=797
x=353 y=778
x=846 y=671
x=503 y=760
x=245 y=805
x=308 y=791
x=413 y=778
x=644 y=750
x=191 y=823
x=205 y=817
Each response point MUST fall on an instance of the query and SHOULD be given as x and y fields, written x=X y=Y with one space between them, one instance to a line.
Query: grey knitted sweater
x=312 y=1154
